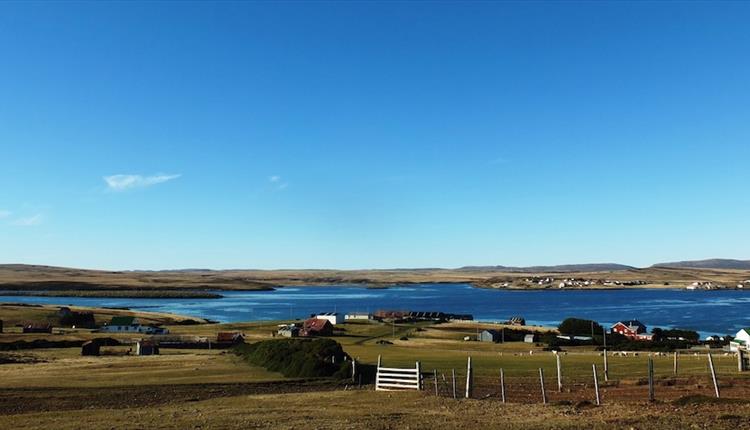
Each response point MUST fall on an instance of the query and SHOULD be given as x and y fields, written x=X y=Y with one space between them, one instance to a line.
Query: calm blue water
x=709 y=312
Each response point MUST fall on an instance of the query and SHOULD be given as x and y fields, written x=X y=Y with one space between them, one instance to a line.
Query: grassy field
x=13 y=314
x=215 y=389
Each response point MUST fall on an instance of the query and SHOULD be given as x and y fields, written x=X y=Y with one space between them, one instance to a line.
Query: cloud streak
x=4 y=213
x=277 y=183
x=127 y=182
x=28 y=221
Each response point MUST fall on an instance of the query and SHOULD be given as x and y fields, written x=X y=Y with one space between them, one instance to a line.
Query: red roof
x=315 y=324
x=228 y=336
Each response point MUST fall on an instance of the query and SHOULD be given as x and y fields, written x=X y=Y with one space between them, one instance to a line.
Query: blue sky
x=373 y=134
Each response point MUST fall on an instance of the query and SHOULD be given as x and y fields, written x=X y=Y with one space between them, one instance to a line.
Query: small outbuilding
x=288 y=331
x=358 y=316
x=490 y=336
x=146 y=347
x=90 y=348
x=37 y=327
x=531 y=338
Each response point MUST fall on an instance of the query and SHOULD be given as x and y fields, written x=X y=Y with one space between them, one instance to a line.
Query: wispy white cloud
x=277 y=182
x=4 y=213
x=28 y=221
x=126 y=182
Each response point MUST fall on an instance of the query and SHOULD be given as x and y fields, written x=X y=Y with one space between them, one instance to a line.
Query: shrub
x=579 y=327
x=298 y=358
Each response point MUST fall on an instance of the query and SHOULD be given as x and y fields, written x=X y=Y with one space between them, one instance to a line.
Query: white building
x=741 y=340
x=358 y=316
x=332 y=317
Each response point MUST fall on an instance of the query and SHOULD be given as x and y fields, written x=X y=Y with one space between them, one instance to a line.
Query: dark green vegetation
x=298 y=358
x=579 y=327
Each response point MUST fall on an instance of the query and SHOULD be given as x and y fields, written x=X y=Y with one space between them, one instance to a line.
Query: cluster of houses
x=413 y=316
x=575 y=282
x=317 y=325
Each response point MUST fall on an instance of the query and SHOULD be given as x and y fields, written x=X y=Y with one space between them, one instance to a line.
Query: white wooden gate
x=392 y=378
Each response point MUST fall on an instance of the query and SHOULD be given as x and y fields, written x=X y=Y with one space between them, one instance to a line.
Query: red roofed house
x=316 y=327
x=632 y=329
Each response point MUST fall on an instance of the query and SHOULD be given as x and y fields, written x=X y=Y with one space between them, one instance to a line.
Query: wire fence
x=622 y=378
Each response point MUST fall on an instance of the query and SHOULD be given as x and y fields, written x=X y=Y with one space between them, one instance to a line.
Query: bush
x=579 y=327
x=298 y=358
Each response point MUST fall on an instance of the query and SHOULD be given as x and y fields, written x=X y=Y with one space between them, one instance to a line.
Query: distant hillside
x=596 y=267
x=715 y=263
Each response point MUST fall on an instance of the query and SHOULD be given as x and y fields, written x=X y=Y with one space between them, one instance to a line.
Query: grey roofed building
x=489 y=336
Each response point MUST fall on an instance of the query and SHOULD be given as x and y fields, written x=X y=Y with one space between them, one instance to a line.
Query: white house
x=741 y=340
x=358 y=316
x=128 y=324
x=332 y=317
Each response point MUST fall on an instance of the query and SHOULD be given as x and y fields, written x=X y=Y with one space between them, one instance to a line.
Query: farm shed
x=316 y=327
x=490 y=336
x=531 y=338
x=358 y=316
x=37 y=327
x=146 y=347
x=90 y=348
x=331 y=317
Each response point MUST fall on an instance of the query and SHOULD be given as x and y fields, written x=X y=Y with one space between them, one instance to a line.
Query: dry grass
x=26 y=277
x=66 y=368
x=377 y=410
x=13 y=314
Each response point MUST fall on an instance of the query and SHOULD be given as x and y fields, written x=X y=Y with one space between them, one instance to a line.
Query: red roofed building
x=632 y=329
x=316 y=327
x=230 y=337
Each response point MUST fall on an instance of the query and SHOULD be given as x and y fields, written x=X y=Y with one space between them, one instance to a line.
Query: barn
x=316 y=327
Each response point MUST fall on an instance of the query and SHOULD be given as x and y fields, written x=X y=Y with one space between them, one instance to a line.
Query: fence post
x=468 y=379
x=354 y=370
x=559 y=373
x=379 y=360
x=713 y=375
x=541 y=381
x=502 y=385
x=674 y=370
x=419 y=377
x=650 y=379
x=740 y=361
x=606 y=367
x=436 y=384
x=453 y=377
x=596 y=386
